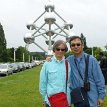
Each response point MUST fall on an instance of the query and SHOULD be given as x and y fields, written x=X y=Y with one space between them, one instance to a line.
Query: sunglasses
x=73 y=45
x=58 y=49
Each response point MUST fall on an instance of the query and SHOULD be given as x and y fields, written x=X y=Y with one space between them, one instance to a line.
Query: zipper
x=81 y=95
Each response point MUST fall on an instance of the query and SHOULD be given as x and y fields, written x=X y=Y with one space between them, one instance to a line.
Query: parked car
x=15 y=67
x=37 y=62
x=33 y=64
x=5 y=69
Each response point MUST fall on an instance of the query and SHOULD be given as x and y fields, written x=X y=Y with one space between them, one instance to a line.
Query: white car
x=5 y=69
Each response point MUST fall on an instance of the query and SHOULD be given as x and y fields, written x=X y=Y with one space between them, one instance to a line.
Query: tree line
x=7 y=54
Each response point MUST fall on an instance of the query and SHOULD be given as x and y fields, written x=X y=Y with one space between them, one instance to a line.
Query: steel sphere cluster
x=50 y=32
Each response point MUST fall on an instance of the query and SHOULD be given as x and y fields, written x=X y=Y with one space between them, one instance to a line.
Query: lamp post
x=14 y=54
x=32 y=58
x=29 y=58
x=23 y=57
x=92 y=51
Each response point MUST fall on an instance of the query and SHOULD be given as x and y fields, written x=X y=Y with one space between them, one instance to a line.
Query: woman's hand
x=48 y=59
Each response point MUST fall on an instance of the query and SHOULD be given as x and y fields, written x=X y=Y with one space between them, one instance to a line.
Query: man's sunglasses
x=58 y=49
x=73 y=45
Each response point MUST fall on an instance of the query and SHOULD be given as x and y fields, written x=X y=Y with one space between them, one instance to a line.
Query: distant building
x=38 y=55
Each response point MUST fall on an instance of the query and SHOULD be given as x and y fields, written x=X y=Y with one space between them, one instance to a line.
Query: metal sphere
x=30 y=25
x=68 y=24
x=28 y=38
x=50 y=33
x=50 y=18
x=47 y=42
x=49 y=6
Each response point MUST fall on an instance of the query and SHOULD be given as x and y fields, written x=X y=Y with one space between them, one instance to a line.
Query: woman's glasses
x=73 y=44
x=58 y=49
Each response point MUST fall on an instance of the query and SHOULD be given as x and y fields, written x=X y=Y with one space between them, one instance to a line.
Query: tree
x=96 y=52
x=2 y=43
x=68 y=54
x=6 y=56
x=105 y=47
x=19 y=54
x=10 y=57
x=88 y=50
x=10 y=52
x=84 y=40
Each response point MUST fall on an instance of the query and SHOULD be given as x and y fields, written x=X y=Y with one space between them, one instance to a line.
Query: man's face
x=77 y=47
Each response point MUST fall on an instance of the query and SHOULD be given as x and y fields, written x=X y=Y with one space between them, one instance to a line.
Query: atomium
x=53 y=30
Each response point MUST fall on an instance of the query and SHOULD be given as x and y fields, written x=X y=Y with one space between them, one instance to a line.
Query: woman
x=53 y=75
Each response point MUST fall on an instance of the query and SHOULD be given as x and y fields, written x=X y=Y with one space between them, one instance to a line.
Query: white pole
x=23 y=57
x=92 y=52
x=32 y=58
x=14 y=55
x=29 y=58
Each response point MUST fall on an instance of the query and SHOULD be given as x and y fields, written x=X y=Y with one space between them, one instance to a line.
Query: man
x=103 y=65
x=77 y=62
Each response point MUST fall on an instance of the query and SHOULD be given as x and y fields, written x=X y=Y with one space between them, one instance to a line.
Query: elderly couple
x=53 y=75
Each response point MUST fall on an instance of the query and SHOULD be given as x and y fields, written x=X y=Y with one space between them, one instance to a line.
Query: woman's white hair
x=59 y=42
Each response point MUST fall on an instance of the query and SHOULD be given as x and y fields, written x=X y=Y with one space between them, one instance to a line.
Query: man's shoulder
x=91 y=57
x=69 y=57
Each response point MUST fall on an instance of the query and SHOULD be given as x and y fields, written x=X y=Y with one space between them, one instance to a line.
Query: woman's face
x=60 y=51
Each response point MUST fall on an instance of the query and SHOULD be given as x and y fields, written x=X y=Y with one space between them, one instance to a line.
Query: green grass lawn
x=21 y=89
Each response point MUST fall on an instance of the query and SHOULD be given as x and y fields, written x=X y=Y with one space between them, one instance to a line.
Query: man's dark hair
x=75 y=37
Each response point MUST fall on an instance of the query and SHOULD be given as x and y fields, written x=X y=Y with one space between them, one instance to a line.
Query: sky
x=88 y=17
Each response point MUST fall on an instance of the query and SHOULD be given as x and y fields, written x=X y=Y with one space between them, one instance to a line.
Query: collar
x=79 y=58
x=54 y=58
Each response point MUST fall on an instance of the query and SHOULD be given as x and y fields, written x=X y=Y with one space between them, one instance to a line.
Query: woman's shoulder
x=47 y=63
